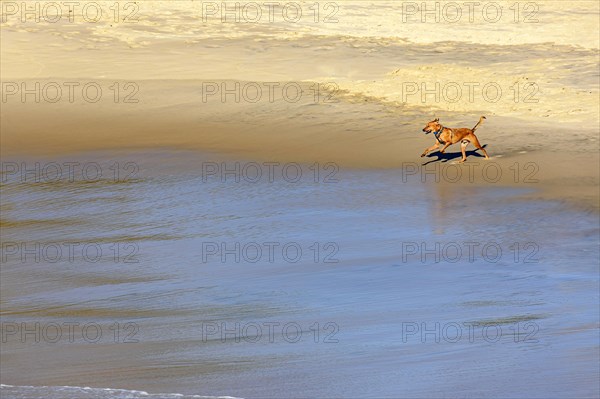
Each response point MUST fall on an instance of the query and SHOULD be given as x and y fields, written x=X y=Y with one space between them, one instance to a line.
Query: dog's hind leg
x=463 y=147
x=433 y=147
x=475 y=142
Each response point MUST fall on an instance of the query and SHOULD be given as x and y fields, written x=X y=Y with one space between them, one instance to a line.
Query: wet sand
x=352 y=132
x=543 y=300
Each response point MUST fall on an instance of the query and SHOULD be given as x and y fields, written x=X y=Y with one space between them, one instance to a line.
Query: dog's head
x=432 y=126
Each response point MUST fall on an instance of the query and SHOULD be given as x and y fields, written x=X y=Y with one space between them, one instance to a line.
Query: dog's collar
x=437 y=134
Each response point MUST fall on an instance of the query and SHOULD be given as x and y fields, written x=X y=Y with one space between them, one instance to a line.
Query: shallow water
x=358 y=313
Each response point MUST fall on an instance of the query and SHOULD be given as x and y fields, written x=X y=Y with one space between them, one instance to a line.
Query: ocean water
x=201 y=280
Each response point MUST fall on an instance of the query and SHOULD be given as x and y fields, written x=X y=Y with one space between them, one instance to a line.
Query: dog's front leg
x=446 y=146
x=433 y=147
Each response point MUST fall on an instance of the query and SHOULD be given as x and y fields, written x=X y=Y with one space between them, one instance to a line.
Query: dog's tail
x=478 y=123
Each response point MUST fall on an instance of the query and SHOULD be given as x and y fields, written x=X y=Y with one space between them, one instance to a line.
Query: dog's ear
x=436 y=120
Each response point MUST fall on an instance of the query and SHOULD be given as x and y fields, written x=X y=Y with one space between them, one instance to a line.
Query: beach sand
x=561 y=160
x=356 y=76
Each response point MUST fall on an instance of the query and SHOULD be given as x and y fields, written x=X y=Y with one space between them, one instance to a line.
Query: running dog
x=448 y=136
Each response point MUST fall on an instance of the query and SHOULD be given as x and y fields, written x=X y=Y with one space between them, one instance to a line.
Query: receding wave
x=68 y=392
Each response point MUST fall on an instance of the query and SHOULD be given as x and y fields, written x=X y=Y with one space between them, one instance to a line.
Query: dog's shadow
x=451 y=156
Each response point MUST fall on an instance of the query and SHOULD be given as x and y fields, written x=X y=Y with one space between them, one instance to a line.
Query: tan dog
x=448 y=136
